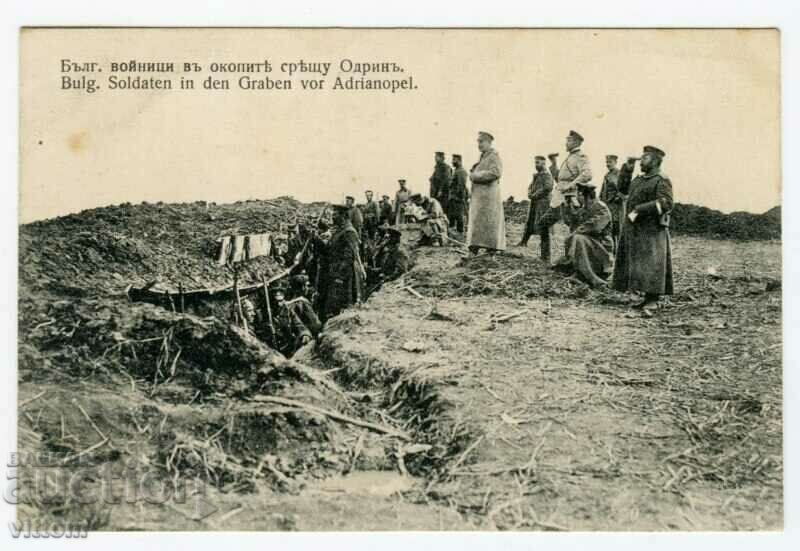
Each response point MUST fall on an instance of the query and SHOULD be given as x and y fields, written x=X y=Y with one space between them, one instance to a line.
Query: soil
x=529 y=401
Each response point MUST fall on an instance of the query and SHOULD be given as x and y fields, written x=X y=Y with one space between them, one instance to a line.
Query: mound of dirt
x=695 y=220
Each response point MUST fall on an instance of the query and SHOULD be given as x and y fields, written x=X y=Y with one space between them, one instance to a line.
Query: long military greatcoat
x=341 y=281
x=644 y=254
x=487 y=224
x=590 y=247
x=440 y=182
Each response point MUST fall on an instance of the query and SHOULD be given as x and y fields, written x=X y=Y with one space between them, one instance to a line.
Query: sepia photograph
x=399 y=279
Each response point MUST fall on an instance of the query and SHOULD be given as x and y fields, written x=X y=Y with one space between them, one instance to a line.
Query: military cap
x=386 y=197
x=456 y=156
x=341 y=209
x=350 y=198
x=611 y=157
x=552 y=155
x=654 y=150
x=586 y=185
x=416 y=197
x=401 y=181
x=487 y=135
x=440 y=153
x=367 y=191
x=573 y=134
x=539 y=158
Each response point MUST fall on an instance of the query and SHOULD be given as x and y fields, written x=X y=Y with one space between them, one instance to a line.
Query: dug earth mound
x=473 y=393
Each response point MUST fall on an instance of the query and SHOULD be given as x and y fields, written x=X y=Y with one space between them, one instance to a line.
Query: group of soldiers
x=623 y=231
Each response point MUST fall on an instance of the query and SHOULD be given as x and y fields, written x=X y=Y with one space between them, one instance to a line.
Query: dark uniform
x=341 y=271
x=440 y=183
x=611 y=196
x=644 y=253
x=539 y=191
x=386 y=212
x=304 y=311
x=372 y=216
x=290 y=331
x=458 y=200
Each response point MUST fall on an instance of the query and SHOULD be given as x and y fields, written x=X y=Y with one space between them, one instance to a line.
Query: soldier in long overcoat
x=342 y=273
x=487 y=224
x=612 y=197
x=644 y=254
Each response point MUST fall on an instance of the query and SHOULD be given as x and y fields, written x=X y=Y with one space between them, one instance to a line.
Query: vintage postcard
x=424 y=279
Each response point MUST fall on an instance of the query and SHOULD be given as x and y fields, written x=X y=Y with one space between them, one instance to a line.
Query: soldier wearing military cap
x=487 y=225
x=644 y=254
x=341 y=271
x=458 y=197
x=611 y=196
x=440 y=179
x=589 y=250
x=290 y=331
x=386 y=215
x=356 y=218
x=539 y=191
x=400 y=199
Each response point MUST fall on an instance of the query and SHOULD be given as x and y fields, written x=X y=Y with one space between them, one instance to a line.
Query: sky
x=709 y=98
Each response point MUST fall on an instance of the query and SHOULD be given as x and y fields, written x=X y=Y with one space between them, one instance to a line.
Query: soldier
x=589 y=249
x=301 y=303
x=400 y=200
x=393 y=258
x=434 y=227
x=386 y=212
x=294 y=245
x=440 y=179
x=341 y=273
x=458 y=197
x=487 y=225
x=372 y=214
x=574 y=170
x=356 y=218
x=290 y=332
x=644 y=253
x=610 y=195
x=539 y=191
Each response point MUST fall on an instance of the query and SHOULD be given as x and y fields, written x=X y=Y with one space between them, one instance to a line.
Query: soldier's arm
x=584 y=170
x=492 y=172
x=624 y=179
x=661 y=204
x=532 y=189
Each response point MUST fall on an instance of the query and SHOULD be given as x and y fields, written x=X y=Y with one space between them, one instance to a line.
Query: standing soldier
x=372 y=214
x=611 y=196
x=458 y=198
x=386 y=212
x=539 y=191
x=400 y=199
x=342 y=274
x=440 y=180
x=644 y=254
x=574 y=170
x=356 y=218
x=487 y=224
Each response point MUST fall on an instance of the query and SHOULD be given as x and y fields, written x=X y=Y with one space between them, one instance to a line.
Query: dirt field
x=516 y=399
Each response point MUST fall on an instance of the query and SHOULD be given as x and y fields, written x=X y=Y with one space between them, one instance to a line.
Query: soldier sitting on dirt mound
x=434 y=226
x=590 y=247
x=392 y=259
